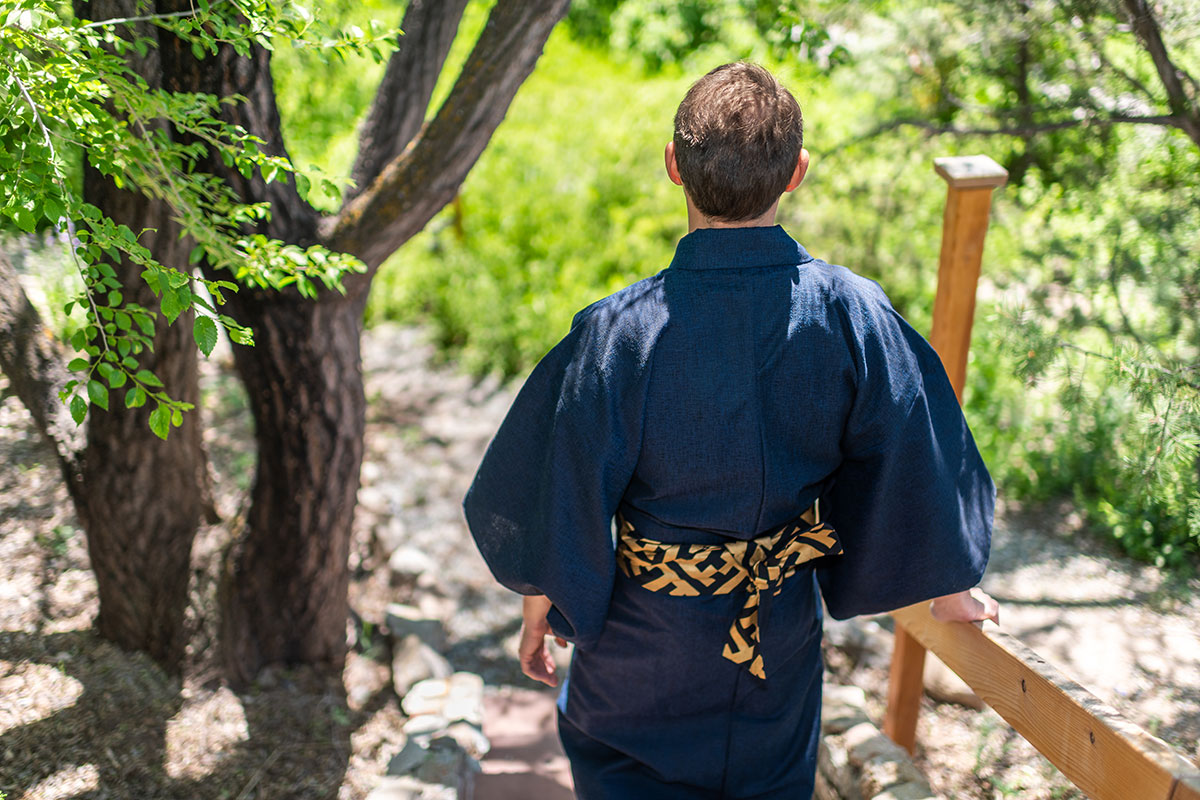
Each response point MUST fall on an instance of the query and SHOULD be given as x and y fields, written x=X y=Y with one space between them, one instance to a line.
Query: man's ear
x=672 y=167
x=800 y=171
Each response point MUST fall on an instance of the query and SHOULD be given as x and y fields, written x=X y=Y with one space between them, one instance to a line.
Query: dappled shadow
x=118 y=721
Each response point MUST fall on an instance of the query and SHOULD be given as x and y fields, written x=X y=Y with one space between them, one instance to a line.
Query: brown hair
x=738 y=135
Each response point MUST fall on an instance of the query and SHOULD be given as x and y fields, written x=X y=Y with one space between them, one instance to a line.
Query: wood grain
x=1105 y=755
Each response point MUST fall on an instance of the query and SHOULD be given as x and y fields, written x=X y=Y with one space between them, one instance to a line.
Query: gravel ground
x=79 y=718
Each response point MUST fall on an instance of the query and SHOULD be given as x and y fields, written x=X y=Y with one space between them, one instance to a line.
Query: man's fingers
x=536 y=661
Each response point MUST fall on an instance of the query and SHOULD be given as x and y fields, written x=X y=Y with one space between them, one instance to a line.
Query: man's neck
x=697 y=220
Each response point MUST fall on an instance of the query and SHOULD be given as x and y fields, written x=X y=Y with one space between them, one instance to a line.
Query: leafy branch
x=70 y=80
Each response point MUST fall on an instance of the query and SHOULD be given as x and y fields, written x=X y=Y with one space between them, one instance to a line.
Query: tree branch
x=36 y=371
x=403 y=97
x=1023 y=131
x=427 y=175
x=1183 y=107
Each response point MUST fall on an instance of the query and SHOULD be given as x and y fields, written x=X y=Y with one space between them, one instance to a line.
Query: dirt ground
x=81 y=719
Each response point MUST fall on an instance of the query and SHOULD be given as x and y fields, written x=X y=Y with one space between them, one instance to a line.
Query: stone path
x=1102 y=619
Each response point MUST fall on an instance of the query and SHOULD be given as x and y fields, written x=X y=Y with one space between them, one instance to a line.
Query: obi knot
x=757 y=567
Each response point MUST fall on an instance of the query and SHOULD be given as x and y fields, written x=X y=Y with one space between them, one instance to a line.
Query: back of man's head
x=738 y=135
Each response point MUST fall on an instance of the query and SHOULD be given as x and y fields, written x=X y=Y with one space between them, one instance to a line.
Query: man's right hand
x=973 y=605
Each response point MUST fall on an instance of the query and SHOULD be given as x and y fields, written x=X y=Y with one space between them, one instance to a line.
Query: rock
x=389 y=535
x=943 y=685
x=842 y=707
x=834 y=764
x=410 y=788
x=884 y=772
x=402 y=620
x=408 y=759
x=864 y=641
x=425 y=725
x=445 y=763
x=414 y=662
x=865 y=743
x=470 y=738
x=917 y=790
x=426 y=697
x=409 y=565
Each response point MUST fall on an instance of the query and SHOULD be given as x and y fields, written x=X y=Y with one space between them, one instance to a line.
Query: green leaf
x=116 y=379
x=160 y=421
x=135 y=397
x=78 y=409
x=176 y=417
x=25 y=220
x=98 y=394
x=204 y=331
x=174 y=302
x=52 y=209
x=78 y=365
x=149 y=378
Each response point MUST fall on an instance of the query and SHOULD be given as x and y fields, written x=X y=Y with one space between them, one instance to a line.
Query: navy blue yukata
x=709 y=404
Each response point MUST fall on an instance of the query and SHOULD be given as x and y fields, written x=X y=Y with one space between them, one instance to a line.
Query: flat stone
x=445 y=763
x=408 y=759
x=425 y=724
x=410 y=788
x=882 y=773
x=426 y=697
x=466 y=684
x=944 y=686
x=470 y=738
x=413 y=662
x=842 y=707
x=408 y=565
x=833 y=762
x=865 y=743
x=402 y=620
x=918 y=790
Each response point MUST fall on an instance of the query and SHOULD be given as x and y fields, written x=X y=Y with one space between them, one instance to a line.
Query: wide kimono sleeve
x=912 y=500
x=542 y=503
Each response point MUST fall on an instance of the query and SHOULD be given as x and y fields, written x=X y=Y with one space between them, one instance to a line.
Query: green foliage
x=687 y=33
x=69 y=87
x=569 y=203
x=1083 y=374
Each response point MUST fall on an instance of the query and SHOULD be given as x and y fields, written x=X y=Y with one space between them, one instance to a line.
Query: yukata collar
x=738 y=248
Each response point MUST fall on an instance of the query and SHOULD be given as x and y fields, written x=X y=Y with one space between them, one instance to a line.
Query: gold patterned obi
x=755 y=566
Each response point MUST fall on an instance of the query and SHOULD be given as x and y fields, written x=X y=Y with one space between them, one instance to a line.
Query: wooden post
x=971 y=180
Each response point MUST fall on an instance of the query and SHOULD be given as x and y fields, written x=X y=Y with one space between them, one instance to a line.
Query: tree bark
x=403 y=97
x=427 y=175
x=141 y=499
x=284 y=598
x=1175 y=80
x=284 y=593
x=36 y=369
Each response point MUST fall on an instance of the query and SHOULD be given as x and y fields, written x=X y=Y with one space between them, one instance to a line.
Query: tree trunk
x=284 y=591
x=141 y=499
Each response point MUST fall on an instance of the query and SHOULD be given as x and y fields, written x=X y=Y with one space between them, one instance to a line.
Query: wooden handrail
x=1103 y=754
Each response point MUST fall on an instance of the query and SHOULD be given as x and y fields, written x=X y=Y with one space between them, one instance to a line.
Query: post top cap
x=970 y=172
